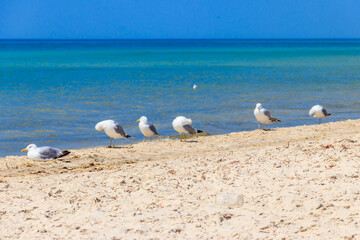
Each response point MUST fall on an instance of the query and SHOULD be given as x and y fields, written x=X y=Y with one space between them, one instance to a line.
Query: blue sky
x=124 y=19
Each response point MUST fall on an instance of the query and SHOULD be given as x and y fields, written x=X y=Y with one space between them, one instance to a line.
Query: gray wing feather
x=267 y=113
x=153 y=129
x=189 y=129
x=49 y=152
x=120 y=130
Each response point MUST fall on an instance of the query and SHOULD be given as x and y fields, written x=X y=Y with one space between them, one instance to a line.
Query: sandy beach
x=299 y=182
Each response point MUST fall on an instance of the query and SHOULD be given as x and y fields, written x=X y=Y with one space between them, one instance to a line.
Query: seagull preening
x=319 y=112
x=44 y=153
x=264 y=116
x=146 y=128
x=112 y=129
x=184 y=125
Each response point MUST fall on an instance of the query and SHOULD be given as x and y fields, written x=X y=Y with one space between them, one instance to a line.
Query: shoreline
x=169 y=139
x=297 y=182
x=165 y=138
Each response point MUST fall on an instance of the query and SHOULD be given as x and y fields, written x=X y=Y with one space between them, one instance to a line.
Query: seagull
x=44 y=153
x=112 y=129
x=263 y=116
x=184 y=125
x=319 y=112
x=195 y=86
x=146 y=128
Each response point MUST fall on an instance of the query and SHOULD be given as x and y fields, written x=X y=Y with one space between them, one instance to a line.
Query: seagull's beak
x=138 y=120
x=25 y=149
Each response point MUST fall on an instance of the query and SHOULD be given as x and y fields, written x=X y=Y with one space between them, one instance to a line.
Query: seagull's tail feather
x=64 y=153
x=199 y=131
x=128 y=136
x=275 y=120
x=328 y=114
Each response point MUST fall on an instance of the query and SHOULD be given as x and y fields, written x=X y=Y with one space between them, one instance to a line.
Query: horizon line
x=170 y=39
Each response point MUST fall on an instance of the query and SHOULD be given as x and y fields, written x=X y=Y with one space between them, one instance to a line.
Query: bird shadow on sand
x=268 y=130
x=191 y=141
x=120 y=147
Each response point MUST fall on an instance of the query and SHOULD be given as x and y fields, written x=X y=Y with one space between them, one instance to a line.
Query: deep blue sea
x=54 y=92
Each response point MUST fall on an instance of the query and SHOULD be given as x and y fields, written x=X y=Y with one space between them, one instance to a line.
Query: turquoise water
x=54 y=92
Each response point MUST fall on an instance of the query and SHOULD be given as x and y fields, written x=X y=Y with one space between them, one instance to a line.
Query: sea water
x=54 y=92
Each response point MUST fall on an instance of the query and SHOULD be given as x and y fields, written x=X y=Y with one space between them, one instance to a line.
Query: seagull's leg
x=114 y=142
x=144 y=139
x=110 y=142
x=150 y=139
x=259 y=125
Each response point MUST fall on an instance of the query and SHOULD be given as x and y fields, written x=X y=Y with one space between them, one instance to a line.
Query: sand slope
x=297 y=182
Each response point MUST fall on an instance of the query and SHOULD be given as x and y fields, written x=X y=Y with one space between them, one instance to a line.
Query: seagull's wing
x=49 y=152
x=266 y=112
x=119 y=130
x=153 y=129
x=325 y=112
x=189 y=129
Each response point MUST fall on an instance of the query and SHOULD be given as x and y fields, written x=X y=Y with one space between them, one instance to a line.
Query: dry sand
x=300 y=182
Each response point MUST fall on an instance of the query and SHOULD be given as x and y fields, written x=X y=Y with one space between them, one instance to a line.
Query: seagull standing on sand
x=146 y=128
x=44 y=153
x=319 y=112
x=184 y=125
x=112 y=129
x=263 y=116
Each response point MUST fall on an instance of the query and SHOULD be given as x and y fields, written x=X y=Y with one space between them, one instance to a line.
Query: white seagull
x=195 y=86
x=184 y=125
x=44 y=153
x=146 y=128
x=263 y=116
x=112 y=129
x=319 y=112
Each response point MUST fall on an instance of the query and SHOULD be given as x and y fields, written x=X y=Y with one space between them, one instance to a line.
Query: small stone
x=320 y=206
x=227 y=216
x=172 y=171
x=177 y=230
